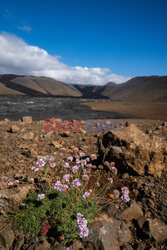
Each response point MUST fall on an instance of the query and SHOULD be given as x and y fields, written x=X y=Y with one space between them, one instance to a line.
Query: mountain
x=89 y=91
x=35 y=86
x=7 y=91
x=151 y=88
x=144 y=89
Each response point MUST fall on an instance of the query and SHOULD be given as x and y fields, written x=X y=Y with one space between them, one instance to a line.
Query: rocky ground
x=139 y=151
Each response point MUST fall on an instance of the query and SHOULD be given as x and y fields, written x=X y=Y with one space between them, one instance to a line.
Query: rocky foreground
x=139 y=151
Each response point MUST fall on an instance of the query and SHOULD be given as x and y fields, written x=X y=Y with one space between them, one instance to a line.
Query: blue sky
x=128 y=37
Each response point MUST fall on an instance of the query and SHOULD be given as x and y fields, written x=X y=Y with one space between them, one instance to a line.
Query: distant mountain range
x=150 y=88
x=35 y=86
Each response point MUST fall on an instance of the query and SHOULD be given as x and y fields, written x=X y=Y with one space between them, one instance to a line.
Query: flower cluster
x=82 y=226
x=66 y=165
x=116 y=194
x=77 y=161
x=81 y=154
x=70 y=158
x=45 y=229
x=85 y=177
x=84 y=171
x=87 y=159
x=35 y=169
x=52 y=164
x=86 y=195
x=125 y=196
x=40 y=197
x=76 y=183
x=60 y=187
x=8 y=182
x=83 y=162
x=41 y=162
x=75 y=169
x=66 y=177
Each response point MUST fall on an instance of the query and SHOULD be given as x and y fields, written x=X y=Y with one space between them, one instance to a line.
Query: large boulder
x=21 y=195
x=6 y=236
x=132 y=212
x=157 y=229
x=154 y=228
x=134 y=151
x=107 y=233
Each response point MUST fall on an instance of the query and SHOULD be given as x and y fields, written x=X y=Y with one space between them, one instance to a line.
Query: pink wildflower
x=86 y=195
x=75 y=169
x=41 y=197
x=76 y=183
x=41 y=162
x=45 y=229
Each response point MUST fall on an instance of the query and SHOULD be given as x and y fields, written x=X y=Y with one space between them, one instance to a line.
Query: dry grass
x=147 y=110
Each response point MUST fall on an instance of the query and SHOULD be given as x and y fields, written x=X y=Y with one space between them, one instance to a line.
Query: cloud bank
x=17 y=57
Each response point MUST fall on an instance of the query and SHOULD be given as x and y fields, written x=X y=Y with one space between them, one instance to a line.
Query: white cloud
x=26 y=28
x=17 y=57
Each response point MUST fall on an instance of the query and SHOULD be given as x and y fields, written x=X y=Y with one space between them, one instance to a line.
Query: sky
x=84 y=41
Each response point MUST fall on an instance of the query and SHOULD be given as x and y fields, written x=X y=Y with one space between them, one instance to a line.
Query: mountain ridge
x=36 y=86
x=147 y=88
x=142 y=88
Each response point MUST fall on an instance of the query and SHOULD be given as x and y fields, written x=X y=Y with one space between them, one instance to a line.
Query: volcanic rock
x=154 y=228
x=43 y=245
x=21 y=195
x=108 y=233
x=6 y=236
x=134 y=150
x=157 y=229
x=133 y=212
x=19 y=242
